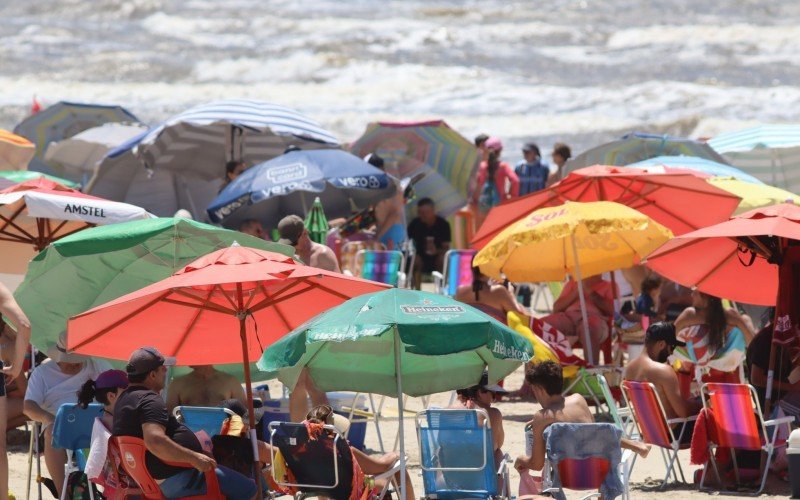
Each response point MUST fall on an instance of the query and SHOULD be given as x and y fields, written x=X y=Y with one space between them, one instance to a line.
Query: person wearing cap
x=203 y=386
x=390 y=227
x=293 y=232
x=52 y=384
x=531 y=172
x=496 y=181
x=141 y=412
x=482 y=396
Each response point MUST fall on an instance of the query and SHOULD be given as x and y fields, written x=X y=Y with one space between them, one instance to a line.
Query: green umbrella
x=398 y=342
x=99 y=264
x=317 y=223
x=15 y=176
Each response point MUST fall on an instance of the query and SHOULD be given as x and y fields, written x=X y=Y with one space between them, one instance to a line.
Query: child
x=647 y=301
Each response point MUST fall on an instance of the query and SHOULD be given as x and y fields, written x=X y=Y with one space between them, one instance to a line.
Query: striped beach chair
x=349 y=251
x=384 y=266
x=654 y=426
x=457 y=272
x=739 y=425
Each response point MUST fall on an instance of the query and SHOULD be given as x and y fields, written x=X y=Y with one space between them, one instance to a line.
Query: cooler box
x=341 y=402
x=275 y=410
x=793 y=455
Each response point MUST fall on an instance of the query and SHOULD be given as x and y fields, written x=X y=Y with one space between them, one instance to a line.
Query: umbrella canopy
x=201 y=140
x=638 y=146
x=15 y=151
x=722 y=260
x=671 y=199
x=753 y=195
x=447 y=159
x=65 y=119
x=287 y=185
x=37 y=212
x=100 y=264
x=768 y=152
x=11 y=177
x=701 y=165
x=78 y=155
x=316 y=223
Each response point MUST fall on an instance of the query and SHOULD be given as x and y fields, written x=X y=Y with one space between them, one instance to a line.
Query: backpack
x=78 y=487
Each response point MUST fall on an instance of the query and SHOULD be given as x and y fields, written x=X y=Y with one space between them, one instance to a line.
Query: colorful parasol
x=15 y=151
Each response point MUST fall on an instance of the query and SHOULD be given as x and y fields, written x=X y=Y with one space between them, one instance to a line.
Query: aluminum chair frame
x=179 y=412
x=440 y=282
x=63 y=419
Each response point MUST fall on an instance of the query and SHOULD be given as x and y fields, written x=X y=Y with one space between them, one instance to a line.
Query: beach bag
x=489 y=196
x=78 y=487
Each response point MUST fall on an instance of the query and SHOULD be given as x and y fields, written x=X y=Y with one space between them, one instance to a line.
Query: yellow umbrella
x=576 y=239
x=754 y=195
x=15 y=151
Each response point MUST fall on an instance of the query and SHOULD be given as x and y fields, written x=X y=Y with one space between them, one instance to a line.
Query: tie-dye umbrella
x=637 y=146
x=65 y=119
x=15 y=151
x=433 y=148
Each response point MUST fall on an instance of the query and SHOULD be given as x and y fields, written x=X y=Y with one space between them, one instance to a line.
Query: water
x=576 y=70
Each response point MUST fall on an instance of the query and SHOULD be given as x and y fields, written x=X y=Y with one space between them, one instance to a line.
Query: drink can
x=529 y=440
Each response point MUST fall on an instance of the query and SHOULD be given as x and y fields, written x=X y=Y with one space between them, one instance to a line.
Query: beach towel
x=727 y=358
x=98 y=450
x=559 y=344
x=704 y=430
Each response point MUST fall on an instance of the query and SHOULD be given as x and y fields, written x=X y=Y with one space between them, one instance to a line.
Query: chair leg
x=670 y=468
x=735 y=467
x=67 y=472
x=764 y=475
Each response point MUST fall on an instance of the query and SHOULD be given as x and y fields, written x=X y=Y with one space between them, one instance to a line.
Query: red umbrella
x=225 y=307
x=679 y=200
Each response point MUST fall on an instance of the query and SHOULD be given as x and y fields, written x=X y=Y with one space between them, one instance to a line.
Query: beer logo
x=287 y=173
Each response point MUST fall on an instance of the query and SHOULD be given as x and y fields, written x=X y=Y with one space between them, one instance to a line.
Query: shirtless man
x=389 y=214
x=492 y=298
x=650 y=366
x=294 y=233
x=204 y=386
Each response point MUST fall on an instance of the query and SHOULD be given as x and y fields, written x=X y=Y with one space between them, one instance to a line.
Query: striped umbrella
x=433 y=148
x=65 y=119
x=15 y=151
x=769 y=152
x=702 y=165
x=201 y=140
x=637 y=146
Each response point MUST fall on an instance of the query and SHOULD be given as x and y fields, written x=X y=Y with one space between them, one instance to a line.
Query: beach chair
x=133 y=450
x=654 y=426
x=72 y=431
x=347 y=256
x=457 y=271
x=739 y=425
x=585 y=471
x=382 y=266
x=621 y=416
x=202 y=418
x=323 y=466
x=457 y=457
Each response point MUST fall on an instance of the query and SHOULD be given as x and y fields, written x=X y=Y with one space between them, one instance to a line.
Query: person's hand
x=521 y=463
x=11 y=372
x=470 y=404
x=203 y=463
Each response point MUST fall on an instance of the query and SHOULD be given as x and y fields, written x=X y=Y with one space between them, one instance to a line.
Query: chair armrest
x=778 y=421
x=504 y=464
x=401 y=279
x=681 y=420
x=438 y=281
x=347 y=272
x=389 y=473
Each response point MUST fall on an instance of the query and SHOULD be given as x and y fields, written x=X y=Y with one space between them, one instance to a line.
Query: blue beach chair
x=72 y=431
x=205 y=418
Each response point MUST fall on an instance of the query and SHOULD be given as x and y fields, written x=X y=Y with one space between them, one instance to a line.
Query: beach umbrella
x=398 y=342
x=671 y=199
x=753 y=195
x=316 y=223
x=11 y=177
x=576 y=239
x=77 y=156
x=37 y=212
x=65 y=119
x=198 y=142
x=700 y=165
x=447 y=159
x=100 y=264
x=287 y=185
x=768 y=152
x=15 y=151
x=638 y=146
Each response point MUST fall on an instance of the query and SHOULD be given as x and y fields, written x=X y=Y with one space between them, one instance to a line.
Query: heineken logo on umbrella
x=427 y=309
x=287 y=173
x=509 y=351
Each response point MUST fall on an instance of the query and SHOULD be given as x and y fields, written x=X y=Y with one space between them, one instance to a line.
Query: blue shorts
x=193 y=482
x=396 y=234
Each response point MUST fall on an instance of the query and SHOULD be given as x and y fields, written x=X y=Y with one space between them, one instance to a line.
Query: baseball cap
x=145 y=360
x=59 y=354
x=665 y=331
x=112 y=379
x=486 y=386
x=290 y=229
x=374 y=160
x=494 y=143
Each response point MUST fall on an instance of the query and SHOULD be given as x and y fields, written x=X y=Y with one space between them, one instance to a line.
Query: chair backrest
x=132 y=451
x=72 y=429
x=648 y=412
x=323 y=465
x=203 y=418
x=349 y=251
x=583 y=474
x=605 y=391
x=456 y=452
x=737 y=415
x=457 y=269
x=382 y=266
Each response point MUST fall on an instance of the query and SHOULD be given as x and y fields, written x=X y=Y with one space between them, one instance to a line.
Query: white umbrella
x=79 y=154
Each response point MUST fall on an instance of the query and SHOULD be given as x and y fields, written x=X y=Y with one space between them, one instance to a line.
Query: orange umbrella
x=680 y=201
x=15 y=151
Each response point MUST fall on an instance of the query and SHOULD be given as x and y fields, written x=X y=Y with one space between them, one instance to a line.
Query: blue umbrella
x=699 y=164
x=289 y=183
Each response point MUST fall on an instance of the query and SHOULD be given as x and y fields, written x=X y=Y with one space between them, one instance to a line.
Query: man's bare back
x=495 y=296
x=665 y=380
x=204 y=386
x=322 y=257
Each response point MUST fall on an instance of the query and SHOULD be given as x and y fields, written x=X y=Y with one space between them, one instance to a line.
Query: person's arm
x=682 y=321
x=33 y=411
x=510 y=302
x=514 y=180
x=536 y=460
x=237 y=391
x=568 y=295
x=498 y=433
x=10 y=309
x=668 y=382
x=160 y=445
x=447 y=238
x=476 y=193
x=601 y=301
x=758 y=377
x=743 y=323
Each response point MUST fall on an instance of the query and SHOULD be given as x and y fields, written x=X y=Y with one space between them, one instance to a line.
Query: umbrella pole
x=587 y=339
x=251 y=412
x=400 y=411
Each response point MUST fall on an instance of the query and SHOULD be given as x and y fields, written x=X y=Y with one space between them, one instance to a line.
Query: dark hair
x=493 y=163
x=562 y=150
x=229 y=168
x=654 y=334
x=480 y=139
x=547 y=375
x=717 y=323
x=651 y=283
x=533 y=148
x=89 y=392
x=477 y=282
x=319 y=414
x=426 y=201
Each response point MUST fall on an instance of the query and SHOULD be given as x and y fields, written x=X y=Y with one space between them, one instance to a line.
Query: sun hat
x=494 y=143
x=59 y=354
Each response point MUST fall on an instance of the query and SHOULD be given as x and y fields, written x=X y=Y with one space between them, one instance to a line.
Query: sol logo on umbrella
x=538 y=218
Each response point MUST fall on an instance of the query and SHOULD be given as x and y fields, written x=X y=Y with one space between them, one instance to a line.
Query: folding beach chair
x=319 y=466
x=382 y=266
x=739 y=425
x=621 y=416
x=457 y=455
x=586 y=470
x=347 y=255
x=72 y=431
x=654 y=426
x=457 y=271
x=202 y=418
x=133 y=450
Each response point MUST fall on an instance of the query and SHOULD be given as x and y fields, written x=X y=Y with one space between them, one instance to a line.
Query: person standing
x=496 y=182
x=532 y=173
x=390 y=227
x=561 y=153
x=431 y=236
